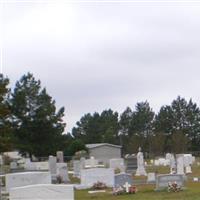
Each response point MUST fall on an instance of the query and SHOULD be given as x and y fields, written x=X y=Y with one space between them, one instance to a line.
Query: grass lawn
x=145 y=192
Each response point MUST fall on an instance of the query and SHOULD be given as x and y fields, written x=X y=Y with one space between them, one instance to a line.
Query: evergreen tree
x=38 y=127
x=5 y=116
x=142 y=123
x=125 y=121
x=109 y=127
x=181 y=117
x=88 y=129
x=98 y=128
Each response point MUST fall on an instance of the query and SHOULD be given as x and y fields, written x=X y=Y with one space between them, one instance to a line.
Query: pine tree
x=38 y=127
x=5 y=116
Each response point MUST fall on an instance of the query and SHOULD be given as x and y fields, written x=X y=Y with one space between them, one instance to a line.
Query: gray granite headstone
x=163 y=180
x=60 y=158
x=122 y=178
x=131 y=163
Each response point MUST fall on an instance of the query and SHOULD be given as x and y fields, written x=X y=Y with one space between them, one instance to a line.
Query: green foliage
x=75 y=146
x=180 y=117
x=5 y=116
x=38 y=127
x=98 y=128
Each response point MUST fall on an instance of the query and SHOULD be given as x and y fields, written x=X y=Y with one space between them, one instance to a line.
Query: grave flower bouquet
x=99 y=186
x=173 y=187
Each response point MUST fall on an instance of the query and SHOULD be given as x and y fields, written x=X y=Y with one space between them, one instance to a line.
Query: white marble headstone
x=76 y=168
x=93 y=175
x=62 y=171
x=52 y=167
x=27 y=178
x=180 y=163
x=43 y=192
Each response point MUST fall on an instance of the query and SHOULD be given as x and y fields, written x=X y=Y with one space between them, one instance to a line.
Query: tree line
x=175 y=128
x=31 y=123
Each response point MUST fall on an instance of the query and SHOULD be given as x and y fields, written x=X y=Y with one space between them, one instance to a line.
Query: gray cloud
x=95 y=57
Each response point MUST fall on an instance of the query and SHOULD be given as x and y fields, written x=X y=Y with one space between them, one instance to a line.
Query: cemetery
x=132 y=176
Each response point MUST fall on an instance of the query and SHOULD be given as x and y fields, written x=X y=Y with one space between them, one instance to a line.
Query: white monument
x=172 y=163
x=180 y=163
x=187 y=163
x=52 y=167
x=140 y=164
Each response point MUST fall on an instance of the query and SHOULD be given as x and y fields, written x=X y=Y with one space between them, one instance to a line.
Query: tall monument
x=140 y=164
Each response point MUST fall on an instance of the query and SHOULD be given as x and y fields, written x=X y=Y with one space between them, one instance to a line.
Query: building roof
x=90 y=146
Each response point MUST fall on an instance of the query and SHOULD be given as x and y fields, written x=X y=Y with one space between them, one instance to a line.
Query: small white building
x=104 y=151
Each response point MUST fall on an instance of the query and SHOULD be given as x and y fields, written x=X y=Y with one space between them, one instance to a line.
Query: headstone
x=195 y=179
x=28 y=165
x=163 y=162
x=94 y=175
x=60 y=158
x=117 y=163
x=151 y=178
x=187 y=163
x=156 y=162
x=188 y=170
x=140 y=164
x=180 y=163
x=93 y=162
x=168 y=156
x=82 y=163
x=41 y=166
x=163 y=180
x=76 y=168
x=52 y=167
x=62 y=172
x=193 y=159
x=27 y=178
x=13 y=165
x=122 y=178
x=172 y=162
x=90 y=163
x=43 y=192
x=131 y=163
x=1 y=160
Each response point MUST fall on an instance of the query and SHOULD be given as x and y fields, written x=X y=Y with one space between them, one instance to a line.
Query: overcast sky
x=95 y=56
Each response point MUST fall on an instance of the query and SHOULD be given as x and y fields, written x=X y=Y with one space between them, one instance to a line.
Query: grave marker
x=122 y=178
x=163 y=180
x=43 y=192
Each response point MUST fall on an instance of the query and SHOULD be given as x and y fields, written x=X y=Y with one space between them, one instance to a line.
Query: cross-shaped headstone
x=127 y=185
